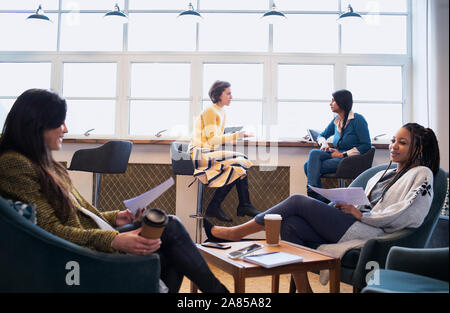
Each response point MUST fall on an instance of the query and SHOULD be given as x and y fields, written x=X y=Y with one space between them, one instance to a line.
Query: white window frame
x=269 y=59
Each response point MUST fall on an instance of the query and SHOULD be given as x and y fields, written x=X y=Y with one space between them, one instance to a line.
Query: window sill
x=245 y=143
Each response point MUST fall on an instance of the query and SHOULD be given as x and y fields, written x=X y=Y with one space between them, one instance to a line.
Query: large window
x=379 y=101
x=149 y=78
x=304 y=93
x=18 y=77
x=90 y=91
x=159 y=102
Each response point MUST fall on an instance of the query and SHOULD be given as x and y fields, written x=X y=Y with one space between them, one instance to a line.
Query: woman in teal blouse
x=348 y=140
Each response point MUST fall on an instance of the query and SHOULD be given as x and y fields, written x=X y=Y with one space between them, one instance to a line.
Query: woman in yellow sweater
x=217 y=168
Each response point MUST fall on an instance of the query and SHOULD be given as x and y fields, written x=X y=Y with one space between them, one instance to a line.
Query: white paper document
x=349 y=195
x=141 y=202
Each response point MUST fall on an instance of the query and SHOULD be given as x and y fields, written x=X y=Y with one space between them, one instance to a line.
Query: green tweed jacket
x=19 y=181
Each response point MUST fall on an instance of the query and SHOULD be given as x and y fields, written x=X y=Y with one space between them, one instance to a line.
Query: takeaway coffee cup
x=153 y=223
x=272 y=224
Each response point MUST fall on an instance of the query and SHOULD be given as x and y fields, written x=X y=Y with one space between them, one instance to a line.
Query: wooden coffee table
x=313 y=260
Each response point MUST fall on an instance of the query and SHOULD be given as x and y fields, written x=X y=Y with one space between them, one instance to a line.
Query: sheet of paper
x=350 y=195
x=148 y=197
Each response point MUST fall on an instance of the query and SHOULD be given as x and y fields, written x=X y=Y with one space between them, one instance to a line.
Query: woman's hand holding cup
x=132 y=242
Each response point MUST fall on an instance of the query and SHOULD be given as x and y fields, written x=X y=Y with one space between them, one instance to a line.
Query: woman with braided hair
x=399 y=198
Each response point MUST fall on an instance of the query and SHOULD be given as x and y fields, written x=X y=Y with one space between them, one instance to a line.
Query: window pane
x=5 y=106
x=83 y=115
x=376 y=6
x=233 y=32
x=29 y=5
x=381 y=118
x=160 y=5
x=89 y=32
x=246 y=79
x=25 y=35
x=151 y=117
x=313 y=82
x=15 y=78
x=89 y=79
x=296 y=5
x=106 y=5
x=380 y=34
x=376 y=83
x=295 y=117
x=160 y=32
x=307 y=33
x=160 y=80
x=234 y=5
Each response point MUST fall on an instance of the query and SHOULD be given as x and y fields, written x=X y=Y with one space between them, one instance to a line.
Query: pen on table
x=264 y=253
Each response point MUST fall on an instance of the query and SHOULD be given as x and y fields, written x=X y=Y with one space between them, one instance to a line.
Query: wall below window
x=289 y=159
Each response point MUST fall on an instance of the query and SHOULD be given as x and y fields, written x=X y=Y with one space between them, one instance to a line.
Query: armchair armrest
x=113 y=273
x=354 y=165
x=376 y=250
x=427 y=262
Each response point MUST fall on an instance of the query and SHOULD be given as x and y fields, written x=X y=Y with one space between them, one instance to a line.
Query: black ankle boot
x=214 y=209
x=245 y=206
x=247 y=209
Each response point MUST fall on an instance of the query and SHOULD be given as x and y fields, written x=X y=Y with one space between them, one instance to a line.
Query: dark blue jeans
x=309 y=222
x=319 y=162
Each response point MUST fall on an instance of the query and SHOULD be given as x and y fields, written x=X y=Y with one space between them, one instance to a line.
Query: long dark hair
x=424 y=151
x=344 y=100
x=33 y=112
x=217 y=89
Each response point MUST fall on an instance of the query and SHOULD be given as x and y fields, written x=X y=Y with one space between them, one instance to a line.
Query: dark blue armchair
x=412 y=270
x=33 y=260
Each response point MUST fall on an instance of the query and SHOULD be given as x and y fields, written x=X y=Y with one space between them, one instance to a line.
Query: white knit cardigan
x=404 y=205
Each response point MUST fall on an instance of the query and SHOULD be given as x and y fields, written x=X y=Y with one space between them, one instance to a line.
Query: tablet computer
x=230 y=130
x=313 y=134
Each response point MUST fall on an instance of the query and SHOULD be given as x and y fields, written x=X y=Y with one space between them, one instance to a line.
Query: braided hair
x=424 y=151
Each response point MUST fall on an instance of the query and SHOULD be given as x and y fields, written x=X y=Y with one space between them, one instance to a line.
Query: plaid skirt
x=219 y=168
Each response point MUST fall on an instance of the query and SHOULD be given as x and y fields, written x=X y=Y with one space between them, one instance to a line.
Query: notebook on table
x=272 y=259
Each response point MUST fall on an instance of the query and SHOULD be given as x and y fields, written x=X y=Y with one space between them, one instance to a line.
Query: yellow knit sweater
x=19 y=181
x=208 y=129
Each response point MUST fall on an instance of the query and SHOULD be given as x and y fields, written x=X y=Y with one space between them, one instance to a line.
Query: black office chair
x=352 y=166
x=182 y=165
x=110 y=158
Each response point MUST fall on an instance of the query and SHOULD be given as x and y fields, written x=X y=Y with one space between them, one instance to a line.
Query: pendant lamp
x=39 y=16
x=116 y=15
x=273 y=16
